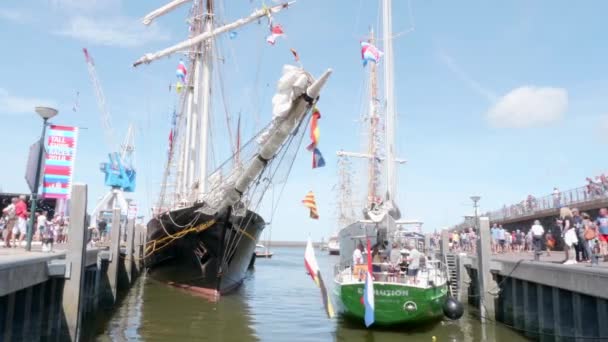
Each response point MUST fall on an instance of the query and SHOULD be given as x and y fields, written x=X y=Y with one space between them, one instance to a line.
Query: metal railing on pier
x=568 y=198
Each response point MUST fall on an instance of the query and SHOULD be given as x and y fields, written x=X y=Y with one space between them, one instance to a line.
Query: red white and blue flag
x=370 y=53
x=368 y=291
x=181 y=72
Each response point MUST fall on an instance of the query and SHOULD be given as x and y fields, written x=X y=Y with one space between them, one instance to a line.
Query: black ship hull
x=206 y=253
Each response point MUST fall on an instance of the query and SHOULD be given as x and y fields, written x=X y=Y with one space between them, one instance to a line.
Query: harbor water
x=277 y=302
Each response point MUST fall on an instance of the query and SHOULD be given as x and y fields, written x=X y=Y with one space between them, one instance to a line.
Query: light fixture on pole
x=45 y=113
x=475 y=200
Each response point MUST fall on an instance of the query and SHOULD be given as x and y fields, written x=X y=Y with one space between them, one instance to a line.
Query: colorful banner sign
x=59 y=161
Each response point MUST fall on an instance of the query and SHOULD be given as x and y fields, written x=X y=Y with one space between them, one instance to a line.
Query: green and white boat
x=398 y=299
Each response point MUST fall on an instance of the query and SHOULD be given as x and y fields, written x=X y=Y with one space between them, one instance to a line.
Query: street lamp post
x=475 y=200
x=45 y=113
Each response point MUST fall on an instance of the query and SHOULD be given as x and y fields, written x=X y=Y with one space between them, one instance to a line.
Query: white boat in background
x=333 y=245
x=262 y=252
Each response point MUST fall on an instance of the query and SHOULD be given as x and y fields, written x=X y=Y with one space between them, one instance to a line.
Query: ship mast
x=387 y=23
x=374 y=121
x=204 y=62
x=192 y=155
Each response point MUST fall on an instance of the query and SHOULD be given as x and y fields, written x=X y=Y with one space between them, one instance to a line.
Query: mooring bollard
x=484 y=277
x=75 y=261
x=113 y=266
x=129 y=253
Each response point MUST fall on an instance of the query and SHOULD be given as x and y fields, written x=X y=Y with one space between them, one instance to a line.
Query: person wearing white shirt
x=41 y=223
x=358 y=255
x=537 y=235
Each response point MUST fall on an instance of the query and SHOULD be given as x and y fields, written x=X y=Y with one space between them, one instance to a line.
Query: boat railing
x=430 y=274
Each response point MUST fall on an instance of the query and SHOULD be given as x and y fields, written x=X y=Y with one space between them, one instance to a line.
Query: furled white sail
x=147 y=20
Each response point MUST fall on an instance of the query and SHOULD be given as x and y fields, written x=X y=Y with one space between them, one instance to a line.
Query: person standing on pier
x=537 y=235
x=557 y=196
x=602 y=224
x=501 y=239
x=494 y=234
x=590 y=235
x=11 y=220
x=570 y=238
x=581 y=251
x=21 y=212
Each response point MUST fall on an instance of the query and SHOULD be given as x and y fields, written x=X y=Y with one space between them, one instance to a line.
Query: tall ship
x=398 y=298
x=205 y=226
x=345 y=213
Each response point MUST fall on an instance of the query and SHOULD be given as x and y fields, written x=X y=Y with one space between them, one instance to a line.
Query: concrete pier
x=545 y=300
x=52 y=296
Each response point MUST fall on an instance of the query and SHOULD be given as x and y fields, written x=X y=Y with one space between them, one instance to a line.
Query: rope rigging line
x=283 y=152
x=157 y=244
x=225 y=104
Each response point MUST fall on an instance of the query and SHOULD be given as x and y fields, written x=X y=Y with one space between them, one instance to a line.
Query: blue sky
x=497 y=99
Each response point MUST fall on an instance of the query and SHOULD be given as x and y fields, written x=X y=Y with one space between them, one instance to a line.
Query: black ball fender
x=453 y=309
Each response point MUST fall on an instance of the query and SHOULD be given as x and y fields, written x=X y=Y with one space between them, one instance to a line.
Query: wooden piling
x=138 y=249
x=113 y=266
x=75 y=261
x=484 y=276
x=129 y=253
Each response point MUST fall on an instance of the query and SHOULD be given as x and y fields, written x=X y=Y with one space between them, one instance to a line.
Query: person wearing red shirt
x=21 y=213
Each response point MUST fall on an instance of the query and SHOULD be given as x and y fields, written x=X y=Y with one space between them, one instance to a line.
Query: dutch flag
x=368 y=300
x=368 y=290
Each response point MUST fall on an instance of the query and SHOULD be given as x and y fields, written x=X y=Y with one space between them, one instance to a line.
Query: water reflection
x=278 y=302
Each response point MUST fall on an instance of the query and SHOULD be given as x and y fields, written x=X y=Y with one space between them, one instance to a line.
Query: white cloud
x=529 y=106
x=116 y=31
x=13 y=15
x=14 y=104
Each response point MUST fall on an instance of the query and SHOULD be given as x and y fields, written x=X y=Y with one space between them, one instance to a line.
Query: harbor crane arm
x=101 y=100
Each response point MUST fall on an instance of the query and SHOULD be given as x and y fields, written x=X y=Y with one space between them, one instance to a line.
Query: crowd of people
x=16 y=218
x=583 y=238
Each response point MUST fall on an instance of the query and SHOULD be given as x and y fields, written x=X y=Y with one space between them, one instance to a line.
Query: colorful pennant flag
x=368 y=291
x=370 y=53
x=309 y=202
x=181 y=72
x=310 y=261
x=179 y=86
x=315 y=132
x=296 y=57
x=317 y=159
x=276 y=31
x=232 y=34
